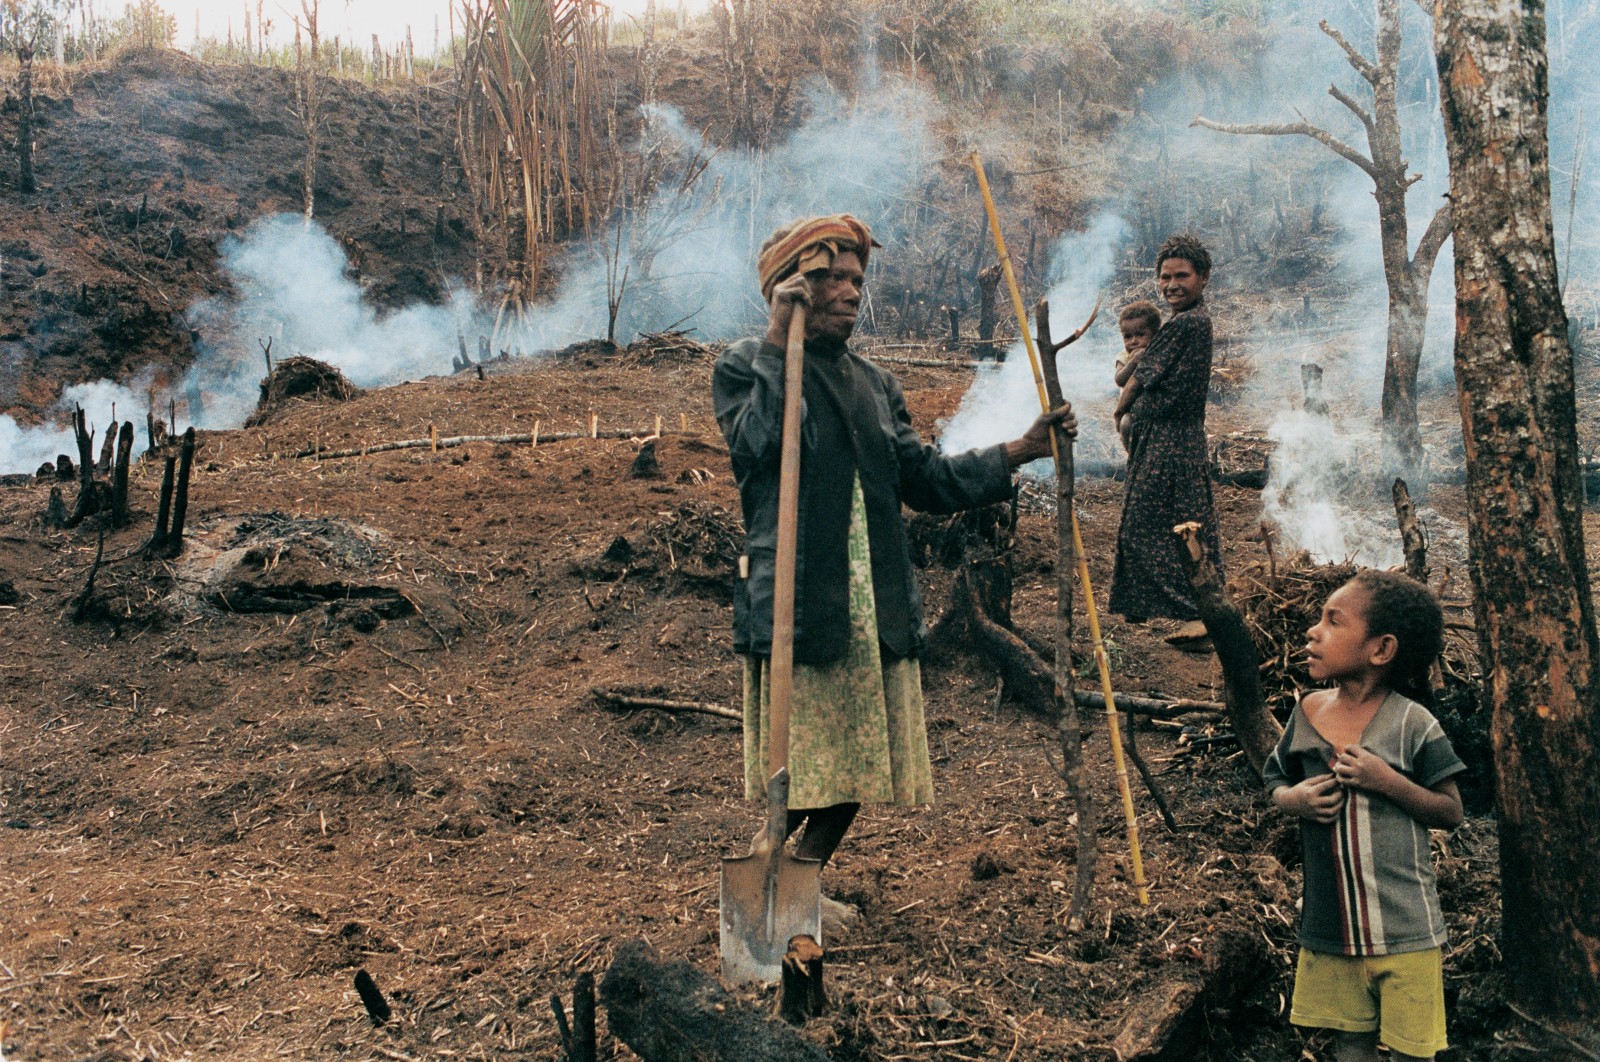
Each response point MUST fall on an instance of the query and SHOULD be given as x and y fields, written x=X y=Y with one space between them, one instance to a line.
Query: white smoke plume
x=689 y=255
x=1003 y=400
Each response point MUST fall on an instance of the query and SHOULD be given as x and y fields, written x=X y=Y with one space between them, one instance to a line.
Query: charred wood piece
x=119 y=479
x=577 y=1039
x=1412 y=538
x=377 y=1007
x=80 y=604
x=800 y=992
x=1236 y=652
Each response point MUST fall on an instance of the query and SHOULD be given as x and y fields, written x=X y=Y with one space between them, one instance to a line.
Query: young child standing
x=1369 y=771
x=1139 y=323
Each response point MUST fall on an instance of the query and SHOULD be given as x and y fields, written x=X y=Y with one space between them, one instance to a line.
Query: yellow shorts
x=1400 y=997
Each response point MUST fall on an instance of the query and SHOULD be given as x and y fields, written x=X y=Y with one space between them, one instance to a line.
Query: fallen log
x=1154 y=707
x=623 y=700
x=445 y=443
x=1233 y=961
x=672 y=1012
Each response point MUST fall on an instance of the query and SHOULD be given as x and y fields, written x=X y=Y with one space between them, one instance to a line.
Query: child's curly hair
x=1142 y=310
x=1399 y=605
x=1190 y=249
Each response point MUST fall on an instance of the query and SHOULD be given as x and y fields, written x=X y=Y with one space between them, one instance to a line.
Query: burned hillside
x=367 y=683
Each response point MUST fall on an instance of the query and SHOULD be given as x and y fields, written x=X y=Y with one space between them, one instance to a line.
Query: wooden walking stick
x=1102 y=661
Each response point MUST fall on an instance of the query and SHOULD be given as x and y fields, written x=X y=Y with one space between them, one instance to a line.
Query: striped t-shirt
x=1369 y=884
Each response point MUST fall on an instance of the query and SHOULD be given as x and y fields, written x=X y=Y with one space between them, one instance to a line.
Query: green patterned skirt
x=856 y=730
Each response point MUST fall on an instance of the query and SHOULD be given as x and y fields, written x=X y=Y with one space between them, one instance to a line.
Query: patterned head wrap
x=808 y=244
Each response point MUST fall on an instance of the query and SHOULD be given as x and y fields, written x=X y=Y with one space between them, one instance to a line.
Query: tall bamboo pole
x=1102 y=661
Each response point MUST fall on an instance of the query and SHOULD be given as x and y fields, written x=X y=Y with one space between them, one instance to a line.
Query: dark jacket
x=895 y=469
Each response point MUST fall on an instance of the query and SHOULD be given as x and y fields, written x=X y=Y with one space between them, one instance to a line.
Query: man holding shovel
x=855 y=722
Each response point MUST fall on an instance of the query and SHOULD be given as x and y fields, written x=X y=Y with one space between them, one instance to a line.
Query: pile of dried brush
x=300 y=378
x=1280 y=605
x=659 y=349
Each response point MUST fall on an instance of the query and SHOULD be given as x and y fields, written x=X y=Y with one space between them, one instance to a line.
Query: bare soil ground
x=215 y=810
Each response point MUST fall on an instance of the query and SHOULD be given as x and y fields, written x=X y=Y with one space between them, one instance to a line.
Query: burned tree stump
x=578 y=1042
x=672 y=1012
x=88 y=502
x=108 y=444
x=646 y=465
x=158 y=540
x=800 y=993
x=1257 y=731
x=119 y=479
x=988 y=288
x=172 y=544
x=1311 y=381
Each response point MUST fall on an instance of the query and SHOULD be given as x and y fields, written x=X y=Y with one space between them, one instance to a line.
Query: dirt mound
x=653 y=349
x=274 y=563
x=300 y=379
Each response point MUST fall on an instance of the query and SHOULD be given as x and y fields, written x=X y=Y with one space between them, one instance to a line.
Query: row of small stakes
x=435 y=442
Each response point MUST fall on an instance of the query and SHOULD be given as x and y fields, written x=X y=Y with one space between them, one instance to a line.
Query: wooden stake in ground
x=1101 y=660
x=1412 y=539
x=1258 y=732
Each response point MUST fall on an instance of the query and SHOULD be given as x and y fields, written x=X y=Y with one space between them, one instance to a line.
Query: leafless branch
x=1433 y=238
x=1355 y=108
x=1364 y=66
x=1301 y=128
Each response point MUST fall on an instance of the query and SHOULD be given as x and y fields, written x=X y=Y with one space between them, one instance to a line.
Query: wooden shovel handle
x=781 y=681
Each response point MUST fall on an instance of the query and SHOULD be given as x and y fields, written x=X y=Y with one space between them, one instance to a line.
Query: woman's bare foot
x=838 y=916
x=1192 y=631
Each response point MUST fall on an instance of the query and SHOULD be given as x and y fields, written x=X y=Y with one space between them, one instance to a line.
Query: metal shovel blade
x=768 y=897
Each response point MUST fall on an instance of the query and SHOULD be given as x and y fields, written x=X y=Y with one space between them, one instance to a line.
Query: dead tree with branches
x=1406 y=271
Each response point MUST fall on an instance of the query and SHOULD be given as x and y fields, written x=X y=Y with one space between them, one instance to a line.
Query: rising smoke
x=688 y=257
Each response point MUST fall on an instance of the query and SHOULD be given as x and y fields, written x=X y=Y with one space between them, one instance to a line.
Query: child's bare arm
x=1318 y=799
x=1130 y=392
x=1438 y=808
x=1125 y=370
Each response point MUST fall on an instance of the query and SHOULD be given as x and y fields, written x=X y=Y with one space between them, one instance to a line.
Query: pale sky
x=354 y=20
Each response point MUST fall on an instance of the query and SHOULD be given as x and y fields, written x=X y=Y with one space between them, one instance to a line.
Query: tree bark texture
x=1535 y=613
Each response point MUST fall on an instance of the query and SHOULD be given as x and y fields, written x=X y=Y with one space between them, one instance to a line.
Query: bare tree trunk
x=25 y=181
x=310 y=101
x=1535 y=612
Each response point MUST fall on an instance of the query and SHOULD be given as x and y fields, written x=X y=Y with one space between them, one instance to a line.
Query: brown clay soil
x=353 y=727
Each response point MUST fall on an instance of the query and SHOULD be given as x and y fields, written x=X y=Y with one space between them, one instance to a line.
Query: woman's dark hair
x=1143 y=310
x=1399 y=605
x=1190 y=249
